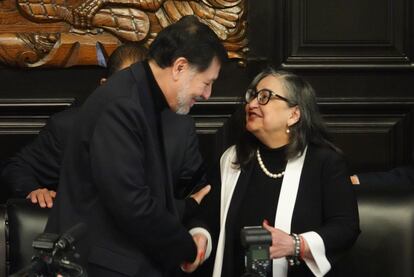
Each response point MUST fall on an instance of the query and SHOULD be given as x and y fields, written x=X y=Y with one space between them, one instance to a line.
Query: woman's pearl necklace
x=267 y=172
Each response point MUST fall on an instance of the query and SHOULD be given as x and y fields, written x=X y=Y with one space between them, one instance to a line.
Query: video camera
x=256 y=241
x=55 y=255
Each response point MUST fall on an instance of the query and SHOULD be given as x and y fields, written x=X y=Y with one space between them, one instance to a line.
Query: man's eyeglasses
x=263 y=96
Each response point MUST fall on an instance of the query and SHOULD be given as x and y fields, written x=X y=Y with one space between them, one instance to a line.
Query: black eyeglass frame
x=256 y=93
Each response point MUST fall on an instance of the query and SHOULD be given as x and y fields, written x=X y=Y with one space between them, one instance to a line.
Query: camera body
x=257 y=241
x=50 y=259
x=55 y=255
x=45 y=242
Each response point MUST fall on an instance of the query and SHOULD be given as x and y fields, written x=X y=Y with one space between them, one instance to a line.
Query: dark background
x=358 y=55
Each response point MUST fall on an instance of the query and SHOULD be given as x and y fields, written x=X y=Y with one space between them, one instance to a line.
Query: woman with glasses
x=285 y=175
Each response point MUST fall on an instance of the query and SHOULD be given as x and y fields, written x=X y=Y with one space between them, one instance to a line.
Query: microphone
x=71 y=236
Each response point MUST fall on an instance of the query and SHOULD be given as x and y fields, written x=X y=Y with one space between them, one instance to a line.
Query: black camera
x=55 y=255
x=257 y=241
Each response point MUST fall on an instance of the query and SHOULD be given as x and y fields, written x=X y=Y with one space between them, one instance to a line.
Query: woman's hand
x=199 y=195
x=201 y=243
x=282 y=243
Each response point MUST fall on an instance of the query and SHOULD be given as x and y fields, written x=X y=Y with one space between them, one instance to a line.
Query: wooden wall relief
x=63 y=33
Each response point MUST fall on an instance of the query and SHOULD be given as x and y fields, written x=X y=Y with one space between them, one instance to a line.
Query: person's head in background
x=280 y=109
x=186 y=58
x=123 y=56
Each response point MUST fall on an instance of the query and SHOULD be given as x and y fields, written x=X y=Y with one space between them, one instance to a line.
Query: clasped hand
x=201 y=243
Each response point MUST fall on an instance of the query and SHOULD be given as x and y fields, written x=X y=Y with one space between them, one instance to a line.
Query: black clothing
x=115 y=178
x=325 y=203
x=262 y=193
x=37 y=165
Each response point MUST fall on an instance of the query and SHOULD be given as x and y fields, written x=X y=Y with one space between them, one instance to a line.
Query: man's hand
x=199 y=195
x=201 y=243
x=42 y=196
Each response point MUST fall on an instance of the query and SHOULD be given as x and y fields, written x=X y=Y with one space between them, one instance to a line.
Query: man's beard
x=183 y=100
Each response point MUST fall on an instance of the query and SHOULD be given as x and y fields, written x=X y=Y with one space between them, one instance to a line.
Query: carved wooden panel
x=346 y=33
x=63 y=33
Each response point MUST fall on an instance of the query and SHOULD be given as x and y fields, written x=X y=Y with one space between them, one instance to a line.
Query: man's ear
x=102 y=81
x=180 y=65
x=294 y=116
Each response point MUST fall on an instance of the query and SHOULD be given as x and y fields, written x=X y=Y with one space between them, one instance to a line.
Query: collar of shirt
x=160 y=102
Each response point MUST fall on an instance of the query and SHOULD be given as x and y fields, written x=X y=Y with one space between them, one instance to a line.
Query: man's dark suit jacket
x=115 y=179
x=37 y=165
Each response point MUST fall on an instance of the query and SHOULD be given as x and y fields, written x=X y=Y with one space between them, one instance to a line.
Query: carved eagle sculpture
x=140 y=20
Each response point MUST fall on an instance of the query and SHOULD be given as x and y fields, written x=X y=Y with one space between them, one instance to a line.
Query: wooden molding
x=348 y=34
x=28 y=116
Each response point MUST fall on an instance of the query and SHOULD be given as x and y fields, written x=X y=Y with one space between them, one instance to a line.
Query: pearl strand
x=267 y=172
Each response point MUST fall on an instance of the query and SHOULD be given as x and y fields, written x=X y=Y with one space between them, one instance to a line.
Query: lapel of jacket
x=148 y=107
x=144 y=94
x=286 y=204
x=229 y=176
x=171 y=140
x=238 y=194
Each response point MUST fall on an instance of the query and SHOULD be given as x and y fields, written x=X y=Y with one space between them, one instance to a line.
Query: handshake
x=201 y=242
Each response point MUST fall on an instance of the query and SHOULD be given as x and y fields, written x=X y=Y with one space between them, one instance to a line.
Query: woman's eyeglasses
x=263 y=96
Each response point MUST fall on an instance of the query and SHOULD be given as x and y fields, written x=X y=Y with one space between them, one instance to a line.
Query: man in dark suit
x=34 y=171
x=114 y=174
